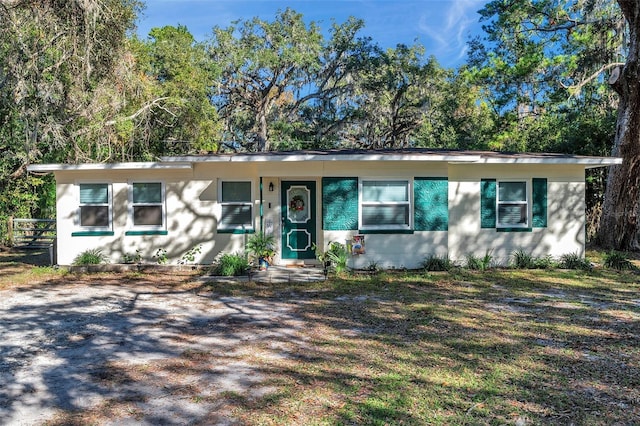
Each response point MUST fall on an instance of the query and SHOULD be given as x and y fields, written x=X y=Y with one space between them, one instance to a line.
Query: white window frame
x=526 y=203
x=131 y=206
x=408 y=203
x=248 y=227
x=109 y=204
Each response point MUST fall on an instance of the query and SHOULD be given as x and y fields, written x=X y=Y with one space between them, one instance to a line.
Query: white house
x=405 y=205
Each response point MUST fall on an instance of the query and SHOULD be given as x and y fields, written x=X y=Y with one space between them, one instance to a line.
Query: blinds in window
x=94 y=193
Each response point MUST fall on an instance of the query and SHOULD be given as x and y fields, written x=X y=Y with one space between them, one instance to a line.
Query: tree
x=263 y=64
x=157 y=101
x=533 y=55
x=579 y=43
x=458 y=117
x=393 y=97
x=52 y=56
x=619 y=226
x=182 y=73
x=329 y=107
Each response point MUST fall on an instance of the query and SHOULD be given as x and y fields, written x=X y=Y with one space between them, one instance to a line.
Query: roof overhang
x=246 y=158
x=47 y=168
x=587 y=162
x=412 y=155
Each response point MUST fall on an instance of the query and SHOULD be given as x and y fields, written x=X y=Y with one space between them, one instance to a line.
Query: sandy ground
x=75 y=346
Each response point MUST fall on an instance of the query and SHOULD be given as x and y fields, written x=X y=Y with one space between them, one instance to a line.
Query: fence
x=31 y=233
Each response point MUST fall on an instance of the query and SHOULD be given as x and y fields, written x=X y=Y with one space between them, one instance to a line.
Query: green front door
x=298 y=219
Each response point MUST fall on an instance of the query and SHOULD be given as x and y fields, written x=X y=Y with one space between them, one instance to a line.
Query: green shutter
x=431 y=198
x=339 y=204
x=487 y=203
x=539 y=205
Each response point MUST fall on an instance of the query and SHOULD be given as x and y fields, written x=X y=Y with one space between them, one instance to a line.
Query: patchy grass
x=465 y=347
x=534 y=347
x=25 y=267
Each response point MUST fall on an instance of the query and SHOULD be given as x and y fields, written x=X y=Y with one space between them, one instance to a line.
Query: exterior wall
x=393 y=251
x=191 y=217
x=565 y=231
x=193 y=211
x=389 y=249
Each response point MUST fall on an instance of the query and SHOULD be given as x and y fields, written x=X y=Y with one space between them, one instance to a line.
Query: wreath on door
x=297 y=203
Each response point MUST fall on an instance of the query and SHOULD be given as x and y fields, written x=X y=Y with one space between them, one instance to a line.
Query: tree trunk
x=619 y=227
x=263 y=142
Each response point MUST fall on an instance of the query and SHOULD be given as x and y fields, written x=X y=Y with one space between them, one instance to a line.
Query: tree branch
x=575 y=89
x=155 y=102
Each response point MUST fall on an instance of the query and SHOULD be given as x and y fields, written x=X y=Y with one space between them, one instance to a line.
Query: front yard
x=497 y=347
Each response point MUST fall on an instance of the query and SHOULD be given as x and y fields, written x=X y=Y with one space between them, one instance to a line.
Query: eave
x=47 y=168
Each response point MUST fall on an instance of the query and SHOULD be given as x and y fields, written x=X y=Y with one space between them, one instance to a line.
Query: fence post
x=10 y=231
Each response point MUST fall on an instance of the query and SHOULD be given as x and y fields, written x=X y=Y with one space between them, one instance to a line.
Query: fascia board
x=589 y=162
x=109 y=166
x=326 y=158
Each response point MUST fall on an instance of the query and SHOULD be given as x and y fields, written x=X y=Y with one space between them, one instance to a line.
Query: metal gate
x=31 y=233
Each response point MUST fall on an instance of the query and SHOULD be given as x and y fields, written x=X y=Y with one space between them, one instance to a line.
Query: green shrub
x=132 y=258
x=230 y=265
x=617 y=260
x=161 y=256
x=373 y=267
x=574 y=261
x=189 y=256
x=480 y=263
x=545 y=262
x=472 y=262
x=523 y=260
x=437 y=263
x=335 y=257
x=261 y=246
x=338 y=255
x=90 y=257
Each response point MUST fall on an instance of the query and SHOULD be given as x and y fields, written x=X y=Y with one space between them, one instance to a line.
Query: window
x=385 y=204
x=95 y=206
x=237 y=207
x=512 y=205
x=147 y=209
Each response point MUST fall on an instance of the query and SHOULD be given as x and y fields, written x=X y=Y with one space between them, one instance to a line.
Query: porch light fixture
x=270 y=186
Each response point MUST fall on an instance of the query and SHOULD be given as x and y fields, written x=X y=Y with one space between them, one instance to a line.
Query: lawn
x=496 y=347
x=517 y=347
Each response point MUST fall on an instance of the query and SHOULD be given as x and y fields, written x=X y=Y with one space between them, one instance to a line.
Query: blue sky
x=442 y=26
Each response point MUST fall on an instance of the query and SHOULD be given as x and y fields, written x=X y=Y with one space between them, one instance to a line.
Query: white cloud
x=449 y=30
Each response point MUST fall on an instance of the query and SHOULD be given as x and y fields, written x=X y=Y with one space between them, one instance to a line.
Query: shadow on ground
x=80 y=345
x=26 y=257
x=499 y=347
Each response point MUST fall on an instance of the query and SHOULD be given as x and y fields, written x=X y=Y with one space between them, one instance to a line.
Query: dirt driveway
x=108 y=343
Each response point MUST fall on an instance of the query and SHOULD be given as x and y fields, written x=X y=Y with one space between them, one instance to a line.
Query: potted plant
x=262 y=247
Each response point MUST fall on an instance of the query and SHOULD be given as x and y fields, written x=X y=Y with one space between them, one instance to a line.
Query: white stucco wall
x=191 y=217
x=393 y=251
x=193 y=211
x=565 y=213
